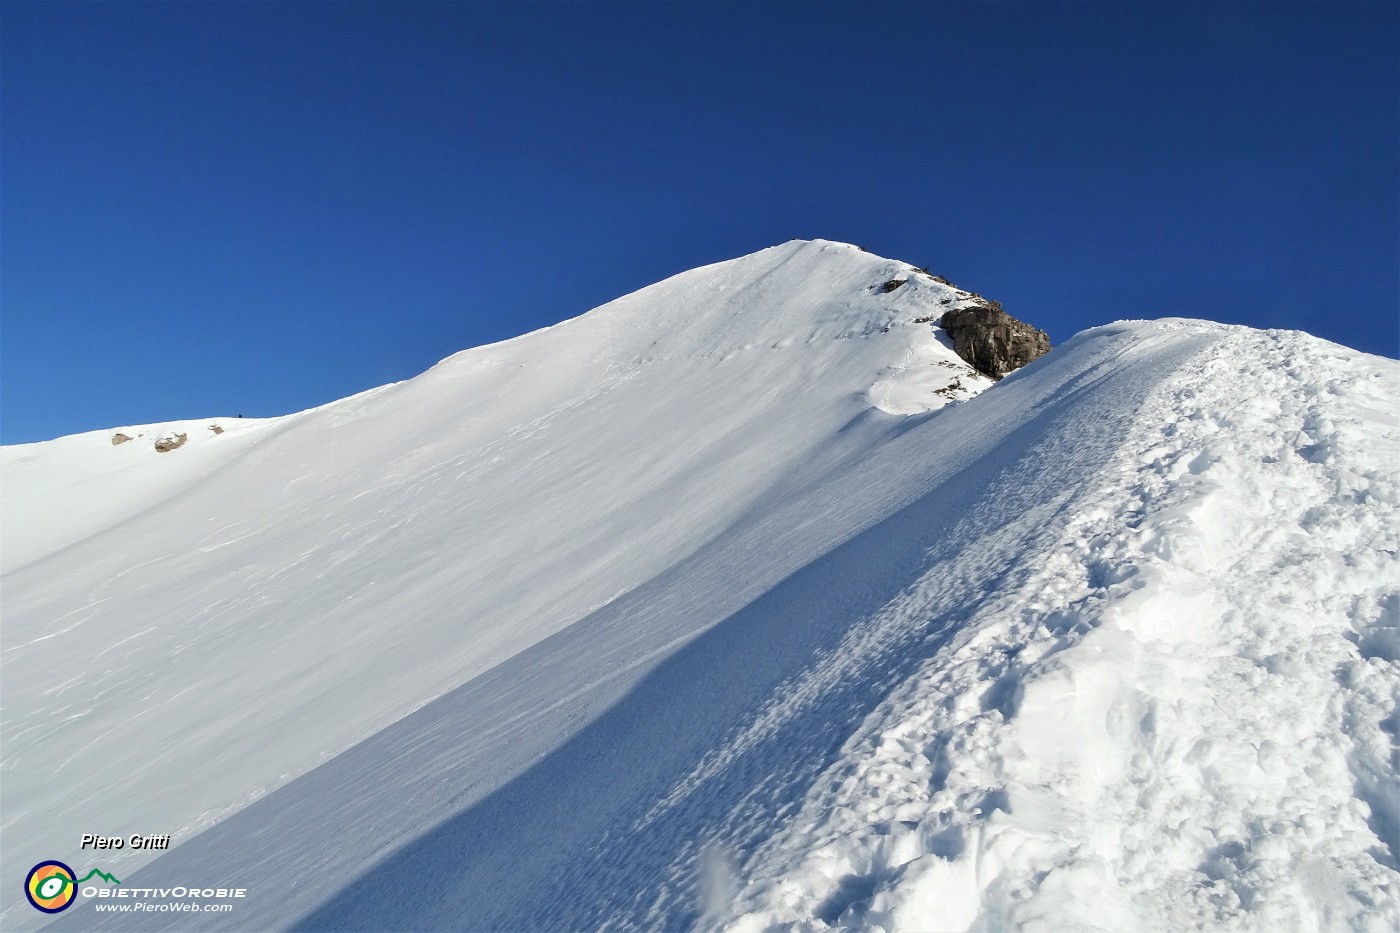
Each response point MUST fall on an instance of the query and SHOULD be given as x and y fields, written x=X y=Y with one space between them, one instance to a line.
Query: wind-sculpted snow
x=186 y=631
x=1112 y=646
x=1070 y=672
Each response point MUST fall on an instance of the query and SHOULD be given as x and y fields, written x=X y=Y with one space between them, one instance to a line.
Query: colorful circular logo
x=51 y=886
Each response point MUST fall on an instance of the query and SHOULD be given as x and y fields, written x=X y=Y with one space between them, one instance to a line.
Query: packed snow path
x=1125 y=658
x=1182 y=714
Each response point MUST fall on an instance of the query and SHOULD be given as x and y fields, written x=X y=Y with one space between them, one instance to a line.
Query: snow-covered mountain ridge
x=772 y=300
x=439 y=525
x=701 y=609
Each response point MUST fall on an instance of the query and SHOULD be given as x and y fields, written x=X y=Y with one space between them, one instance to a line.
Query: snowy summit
x=741 y=602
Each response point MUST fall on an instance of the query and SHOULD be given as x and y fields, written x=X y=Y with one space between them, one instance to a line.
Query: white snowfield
x=706 y=609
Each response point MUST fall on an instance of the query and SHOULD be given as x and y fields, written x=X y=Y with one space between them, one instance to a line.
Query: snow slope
x=699 y=610
x=185 y=631
x=1183 y=713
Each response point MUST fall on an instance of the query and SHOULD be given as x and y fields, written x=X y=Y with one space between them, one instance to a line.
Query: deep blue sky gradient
x=211 y=209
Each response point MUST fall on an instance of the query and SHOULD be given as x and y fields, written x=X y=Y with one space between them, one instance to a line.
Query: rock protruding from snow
x=993 y=342
x=170 y=442
x=120 y=438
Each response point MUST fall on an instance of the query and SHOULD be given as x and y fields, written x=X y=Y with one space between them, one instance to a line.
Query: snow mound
x=925 y=380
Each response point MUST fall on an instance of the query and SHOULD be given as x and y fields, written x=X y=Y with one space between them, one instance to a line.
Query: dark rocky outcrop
x=991 y=341
x=892 y=284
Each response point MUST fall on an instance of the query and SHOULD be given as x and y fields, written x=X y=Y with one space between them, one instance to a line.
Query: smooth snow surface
x=706 y=609
x=185 y=631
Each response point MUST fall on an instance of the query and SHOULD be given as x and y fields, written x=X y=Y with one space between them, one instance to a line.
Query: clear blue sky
x=212 y=209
